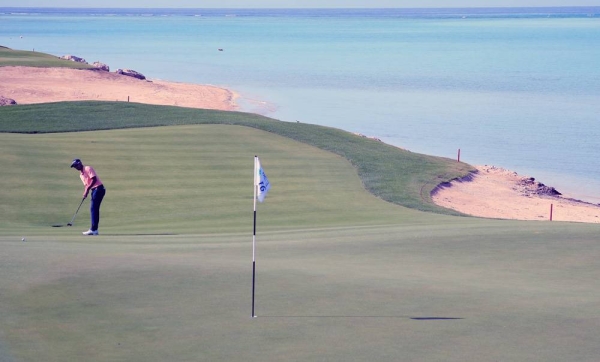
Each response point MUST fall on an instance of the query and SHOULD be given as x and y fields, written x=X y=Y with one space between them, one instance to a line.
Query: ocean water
x=517 y=88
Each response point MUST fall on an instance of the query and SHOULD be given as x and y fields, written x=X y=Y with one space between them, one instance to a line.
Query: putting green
x=472 y=291
x=341 y=274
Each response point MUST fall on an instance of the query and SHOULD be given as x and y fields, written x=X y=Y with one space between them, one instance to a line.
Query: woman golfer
x=92 y=183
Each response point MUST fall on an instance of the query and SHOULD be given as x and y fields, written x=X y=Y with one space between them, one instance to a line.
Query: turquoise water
x=515 y=88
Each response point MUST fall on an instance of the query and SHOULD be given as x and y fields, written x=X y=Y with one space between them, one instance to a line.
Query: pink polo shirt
x=86 y=176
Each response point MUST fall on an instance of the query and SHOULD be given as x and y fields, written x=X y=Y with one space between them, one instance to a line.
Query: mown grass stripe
x=395 y=175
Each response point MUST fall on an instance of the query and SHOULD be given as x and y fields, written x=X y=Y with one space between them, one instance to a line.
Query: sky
x=295 y=3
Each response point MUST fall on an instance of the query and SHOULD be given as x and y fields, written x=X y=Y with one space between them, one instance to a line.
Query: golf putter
x=71 y=223
x=79 y=207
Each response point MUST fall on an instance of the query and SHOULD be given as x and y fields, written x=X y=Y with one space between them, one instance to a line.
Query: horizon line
x=306 y=8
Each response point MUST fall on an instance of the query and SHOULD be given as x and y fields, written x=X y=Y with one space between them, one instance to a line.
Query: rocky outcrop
x=101 y=66
x=74 y=58
x=104 y=67
x=532 y=187
x=6 y=101
x=131 y=73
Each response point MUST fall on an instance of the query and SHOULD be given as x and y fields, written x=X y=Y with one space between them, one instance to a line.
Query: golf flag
x=261 y=181
x=261 y=188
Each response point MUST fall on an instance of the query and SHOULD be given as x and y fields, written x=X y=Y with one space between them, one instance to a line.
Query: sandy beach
x=27 y=85
x=491 y=192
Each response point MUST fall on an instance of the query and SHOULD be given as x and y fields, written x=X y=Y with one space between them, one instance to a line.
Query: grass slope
x=10 y=57
x=182 y=179
x=395 y=175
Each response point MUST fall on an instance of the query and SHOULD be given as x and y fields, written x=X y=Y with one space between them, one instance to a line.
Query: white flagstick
x=254 y=236
x=260 y=180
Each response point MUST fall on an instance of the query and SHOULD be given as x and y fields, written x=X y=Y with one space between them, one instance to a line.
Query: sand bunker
x=498 y=193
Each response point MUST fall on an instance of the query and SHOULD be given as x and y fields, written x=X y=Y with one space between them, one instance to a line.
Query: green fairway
x=354 y=263
x=395 y=175
x=185 y=179
x=10 y=57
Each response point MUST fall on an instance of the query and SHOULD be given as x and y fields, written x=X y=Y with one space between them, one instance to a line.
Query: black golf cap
x=75 y=162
